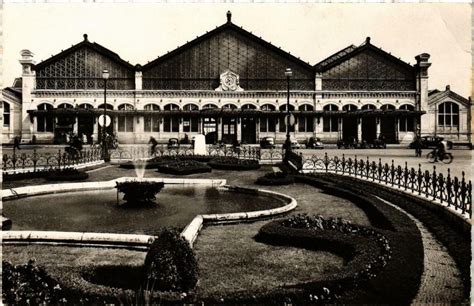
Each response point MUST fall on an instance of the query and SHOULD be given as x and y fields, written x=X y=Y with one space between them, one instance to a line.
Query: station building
x=229 y=84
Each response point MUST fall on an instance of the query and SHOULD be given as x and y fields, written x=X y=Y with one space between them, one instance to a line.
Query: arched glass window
x=368 y=106
x=282 y=119
x=305 y=123
x=448 y=115
x=387 y=107
x=248 y=106
x=209 y=106
x=229 y=106
x=349 y=107
x=6 y=114
x=330 y=124
x=44 y=123
x=190 y=123
x=109 y=106
x=85 y=105
x=267 y=124
x=406 y=124
x=65 y=105
x=151 y=122
x=171 y=123
x=125 y=122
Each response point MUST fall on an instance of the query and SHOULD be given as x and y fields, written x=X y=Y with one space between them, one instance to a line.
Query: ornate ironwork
x=42 y=161
x=82 y=69
x=453 y=192
x=199 y=65
x=369 y=70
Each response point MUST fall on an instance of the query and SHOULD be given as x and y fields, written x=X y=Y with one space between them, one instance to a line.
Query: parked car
x=430 y=142
x=294 y=144
x=378 y=144
x=267 y=143
x=313 y=143
x=173 y=143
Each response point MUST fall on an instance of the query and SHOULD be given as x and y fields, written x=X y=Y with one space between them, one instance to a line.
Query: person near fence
x=153 y=144
x=16 y=142
x=418 y=147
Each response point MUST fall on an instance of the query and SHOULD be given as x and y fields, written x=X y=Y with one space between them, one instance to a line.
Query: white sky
x=141 y=32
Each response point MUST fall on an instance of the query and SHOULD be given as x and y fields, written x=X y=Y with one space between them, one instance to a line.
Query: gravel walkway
x=440 y=281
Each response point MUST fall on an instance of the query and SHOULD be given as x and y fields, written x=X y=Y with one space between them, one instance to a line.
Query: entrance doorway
x=209 y=129
x=229 y=127
x=369 y=129
x=85 y=126
x=349 y=128
x=249 y=131
x=388 y=130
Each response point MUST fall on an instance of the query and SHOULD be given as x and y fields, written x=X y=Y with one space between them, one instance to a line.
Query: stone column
x=257 y=129
x=28 y=85
x=397 y=130
x=339 y=121
x=75 y=126
x=359 y=129
x=96 y=129
x=377 y=121
x=422 y=66
x=219 y=129
x=239 y=129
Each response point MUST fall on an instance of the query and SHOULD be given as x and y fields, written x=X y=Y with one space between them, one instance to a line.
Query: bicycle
x=445 y=157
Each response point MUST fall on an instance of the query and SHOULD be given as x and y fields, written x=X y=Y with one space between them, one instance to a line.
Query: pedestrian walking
x=16 y=142
x=418 y=147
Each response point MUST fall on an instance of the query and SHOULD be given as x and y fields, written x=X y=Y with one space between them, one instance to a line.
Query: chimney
x=229 y=17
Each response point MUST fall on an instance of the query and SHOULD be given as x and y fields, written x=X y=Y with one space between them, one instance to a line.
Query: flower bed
x=67 y=174
x=139 y=192
x=275 y=178
x=184 y=167
x=158 y=161
x=233 y=163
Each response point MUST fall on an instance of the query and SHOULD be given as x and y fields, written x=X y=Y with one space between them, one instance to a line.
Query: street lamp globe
x=288 y=73
x=105 y=74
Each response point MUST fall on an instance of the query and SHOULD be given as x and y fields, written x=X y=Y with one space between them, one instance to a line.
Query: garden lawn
x=231 y=261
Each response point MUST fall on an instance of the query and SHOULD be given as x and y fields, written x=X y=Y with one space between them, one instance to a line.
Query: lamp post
x=288 y=74
x=105 y=153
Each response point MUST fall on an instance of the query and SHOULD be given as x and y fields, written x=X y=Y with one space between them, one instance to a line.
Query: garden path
x=440 y=281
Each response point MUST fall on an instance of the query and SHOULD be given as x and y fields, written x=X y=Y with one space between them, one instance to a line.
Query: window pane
x=129 y=124
x=326 y=124
x=440 y=119
x=194 y=125
x=167 y=124
x=334 y=125
x=121 y=124
x=410 y=125
x=6 y=119
x=147 y=127
x=186 y=124
x=301 y=124
x=271 y=125
x=156 y=124
x=263 y=124
x=455 y=120
x=175 y=124
x=447 y=120
x=49 y=124
x=309 y=124
x=40 y=122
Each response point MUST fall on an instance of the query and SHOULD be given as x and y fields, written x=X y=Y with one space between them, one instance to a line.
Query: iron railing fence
x=144 y=152
x=452 y=191
x=55 y=160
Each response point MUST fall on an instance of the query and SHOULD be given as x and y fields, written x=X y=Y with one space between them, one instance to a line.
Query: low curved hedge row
x=156 y=162
x=390 y=285
x=66 y=174
x=275 y=179
x=233 y=163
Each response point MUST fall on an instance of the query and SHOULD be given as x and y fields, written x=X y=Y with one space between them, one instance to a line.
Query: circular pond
x=97 y=211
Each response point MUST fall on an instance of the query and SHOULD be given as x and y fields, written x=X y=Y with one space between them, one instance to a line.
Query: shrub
x=171 y=264
x=233 y=163
x=29 y=284
x=139 y=192
x=275 y=178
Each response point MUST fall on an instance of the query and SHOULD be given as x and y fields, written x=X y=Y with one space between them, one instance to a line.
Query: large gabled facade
x=229 y=85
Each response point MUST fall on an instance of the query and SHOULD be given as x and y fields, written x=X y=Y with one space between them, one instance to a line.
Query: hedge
x=66 y=174
x=184 y=168
x=233 y=163
x=275 y=179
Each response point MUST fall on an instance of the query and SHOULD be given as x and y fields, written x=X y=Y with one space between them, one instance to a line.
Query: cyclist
x=440 y=150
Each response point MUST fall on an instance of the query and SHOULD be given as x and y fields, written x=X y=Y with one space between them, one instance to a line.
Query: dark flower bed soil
x=68 y=174
x=156 y=162
x=233 y=163
x=184 y=167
